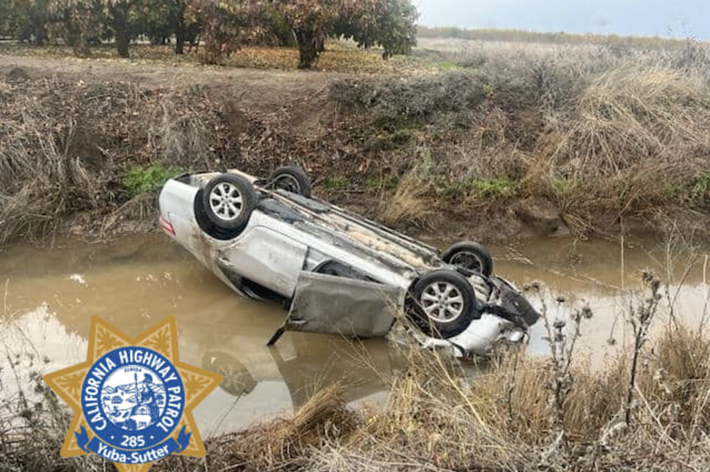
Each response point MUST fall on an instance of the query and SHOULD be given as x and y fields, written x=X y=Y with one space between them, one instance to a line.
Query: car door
x=267 y=257
x=327 y=304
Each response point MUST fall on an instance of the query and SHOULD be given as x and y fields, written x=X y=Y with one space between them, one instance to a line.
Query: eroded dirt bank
x=471 y=153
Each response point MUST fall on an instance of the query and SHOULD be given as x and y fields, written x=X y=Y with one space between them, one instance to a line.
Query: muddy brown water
x=49 y=294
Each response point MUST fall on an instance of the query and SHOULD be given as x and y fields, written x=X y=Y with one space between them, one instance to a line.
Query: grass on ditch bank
x=538 y=136
x=602 y=134
x=140 y=180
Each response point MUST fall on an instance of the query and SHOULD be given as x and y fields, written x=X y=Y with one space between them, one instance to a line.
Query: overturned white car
x=335 y=272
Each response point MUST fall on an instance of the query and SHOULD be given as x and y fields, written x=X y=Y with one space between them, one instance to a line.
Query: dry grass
x=339 y=57
x=435 y=420
x=409 y=204
x=681 y=381
x=64 y=148
x=603 y=131
x=628 y=114
x=287 y=443
x=589 y=133
x=582 y=57
x=40 y=182
x=442 y=34
x=633 y=142
x=501 y=422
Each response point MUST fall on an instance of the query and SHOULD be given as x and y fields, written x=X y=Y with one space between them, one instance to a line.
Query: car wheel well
x=338 y=269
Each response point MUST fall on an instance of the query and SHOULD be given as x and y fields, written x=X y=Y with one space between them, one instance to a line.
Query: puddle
x=48 y=296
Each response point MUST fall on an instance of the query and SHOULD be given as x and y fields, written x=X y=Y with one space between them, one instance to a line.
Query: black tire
x=471 y=257
x=422 y=304
x=228 y=200
x=210 y=228
x=291 y=179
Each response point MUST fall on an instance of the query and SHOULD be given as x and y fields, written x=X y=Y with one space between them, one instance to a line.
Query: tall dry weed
x=64 y=148
x=439 y=417
x=410 y=204
x=631 y=115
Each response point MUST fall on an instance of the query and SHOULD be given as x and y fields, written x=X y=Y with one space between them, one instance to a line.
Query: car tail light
x=167 y=226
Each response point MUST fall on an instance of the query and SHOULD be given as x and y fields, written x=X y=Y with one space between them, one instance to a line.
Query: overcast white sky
x=677 y=18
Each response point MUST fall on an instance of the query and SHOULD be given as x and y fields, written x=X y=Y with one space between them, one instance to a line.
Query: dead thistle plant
x=640 y=318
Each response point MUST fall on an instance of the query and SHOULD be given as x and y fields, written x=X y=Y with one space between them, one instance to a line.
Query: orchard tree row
x=216 y=27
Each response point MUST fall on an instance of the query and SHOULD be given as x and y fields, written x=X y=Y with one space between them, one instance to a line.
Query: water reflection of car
x=303 y=364
x=336 y=272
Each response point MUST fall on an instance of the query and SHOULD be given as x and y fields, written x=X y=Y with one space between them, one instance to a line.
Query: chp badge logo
x=133 y=398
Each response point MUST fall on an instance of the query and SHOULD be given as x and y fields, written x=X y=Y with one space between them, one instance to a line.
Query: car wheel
x=444 y=304
x=238 y=381
x=292 y=179
x=229 y=201
x=471 y=257
x=206 y=224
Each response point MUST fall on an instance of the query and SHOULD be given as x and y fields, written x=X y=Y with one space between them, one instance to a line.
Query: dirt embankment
x=482 y=155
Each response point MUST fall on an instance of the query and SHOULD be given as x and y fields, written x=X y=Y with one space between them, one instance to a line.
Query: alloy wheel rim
x=442 y=302
x=226 y=201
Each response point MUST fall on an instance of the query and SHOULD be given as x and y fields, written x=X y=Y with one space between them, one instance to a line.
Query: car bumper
x=480 y=339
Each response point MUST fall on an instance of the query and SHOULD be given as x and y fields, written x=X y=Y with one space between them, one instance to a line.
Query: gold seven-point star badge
x=133 y=399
